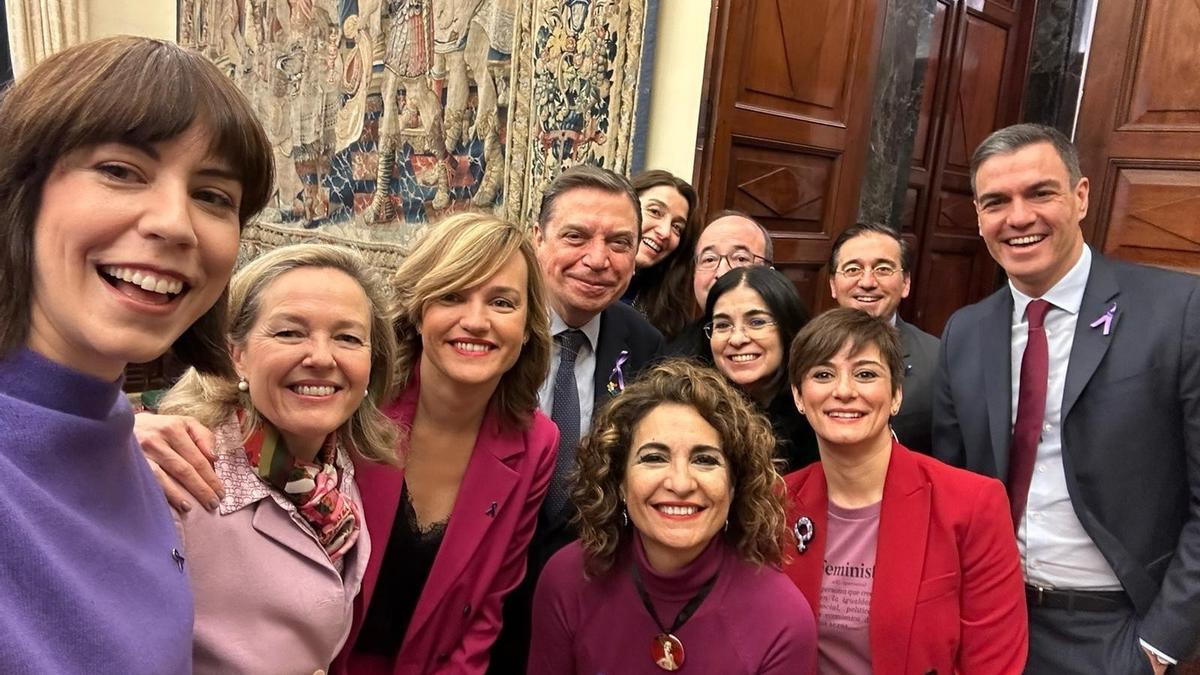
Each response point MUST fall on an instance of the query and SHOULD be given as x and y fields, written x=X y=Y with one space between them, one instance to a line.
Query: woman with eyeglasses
x=750 y=318
x=661 y=288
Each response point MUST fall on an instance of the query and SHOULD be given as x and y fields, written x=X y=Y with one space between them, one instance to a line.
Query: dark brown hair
x=860 y=229
x=826 y=335
x=665 y=289
x=1013 y=138
x=756 y=516
x=130 y=90
x=586 y=176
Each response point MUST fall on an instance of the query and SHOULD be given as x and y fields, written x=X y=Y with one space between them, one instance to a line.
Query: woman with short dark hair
x=911 y=564
x=130 y=166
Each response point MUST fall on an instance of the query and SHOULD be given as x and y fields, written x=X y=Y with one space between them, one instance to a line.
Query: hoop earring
x=624 y=517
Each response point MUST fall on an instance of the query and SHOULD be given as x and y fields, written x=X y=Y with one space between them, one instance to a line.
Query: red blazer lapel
x=899 y=561
x=482 y=499
x=808 y=497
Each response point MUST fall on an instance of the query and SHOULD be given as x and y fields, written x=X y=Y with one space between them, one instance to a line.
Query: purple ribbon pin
x=1106 y=319
x=616 y=379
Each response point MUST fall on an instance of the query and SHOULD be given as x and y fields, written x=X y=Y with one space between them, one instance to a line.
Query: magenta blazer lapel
x=899 y=560
x=486 y=487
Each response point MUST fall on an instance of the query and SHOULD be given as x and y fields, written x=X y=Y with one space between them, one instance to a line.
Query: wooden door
x=784 y=131
x=1139 y=132
x=973 y=85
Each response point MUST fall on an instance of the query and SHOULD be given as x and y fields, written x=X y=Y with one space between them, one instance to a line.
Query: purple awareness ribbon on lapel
x=616 y=379
x=1106 y=319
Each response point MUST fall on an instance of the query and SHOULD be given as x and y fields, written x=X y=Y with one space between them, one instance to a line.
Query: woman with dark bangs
x=750 y=319
x=130 y=167
x=662 y=285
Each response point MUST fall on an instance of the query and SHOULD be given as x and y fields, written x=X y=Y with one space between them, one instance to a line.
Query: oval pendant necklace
x=666 y=649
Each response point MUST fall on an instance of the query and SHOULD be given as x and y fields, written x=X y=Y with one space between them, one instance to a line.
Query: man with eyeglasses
x=731 y=239
x=869 y=270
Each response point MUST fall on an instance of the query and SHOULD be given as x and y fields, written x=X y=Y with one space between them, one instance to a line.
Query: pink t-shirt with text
x=842 y=632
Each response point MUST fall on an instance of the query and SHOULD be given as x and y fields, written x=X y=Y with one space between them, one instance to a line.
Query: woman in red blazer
x=452 y=526
x=911 y=564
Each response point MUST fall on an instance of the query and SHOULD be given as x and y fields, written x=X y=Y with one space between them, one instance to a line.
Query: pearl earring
x=242 y=385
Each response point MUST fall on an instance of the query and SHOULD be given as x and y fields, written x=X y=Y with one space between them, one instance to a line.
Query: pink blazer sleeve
x=472 y=654
x=995 y=628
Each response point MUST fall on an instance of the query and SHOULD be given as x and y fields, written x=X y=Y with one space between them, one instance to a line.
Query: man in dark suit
x=1078 y=384
x=587 y=236
x=869 y=269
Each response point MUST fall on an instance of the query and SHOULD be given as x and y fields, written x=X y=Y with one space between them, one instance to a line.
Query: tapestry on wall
x=389 y=114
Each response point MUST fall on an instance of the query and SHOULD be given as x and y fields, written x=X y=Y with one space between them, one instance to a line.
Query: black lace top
x=407 y=561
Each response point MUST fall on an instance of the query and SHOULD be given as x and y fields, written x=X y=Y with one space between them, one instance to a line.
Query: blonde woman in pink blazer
x=275 y=569
x=451 y=528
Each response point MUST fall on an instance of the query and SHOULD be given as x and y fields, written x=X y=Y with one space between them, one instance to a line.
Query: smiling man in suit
x=586 y=238
x=869 y=269
x=1078 y=384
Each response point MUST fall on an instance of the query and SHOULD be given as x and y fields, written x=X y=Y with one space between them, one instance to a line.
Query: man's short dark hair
x=591 y=177
x=870 y=228
x=1011 y=139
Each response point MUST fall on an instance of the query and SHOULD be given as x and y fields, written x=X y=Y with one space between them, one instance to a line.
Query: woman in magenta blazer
x=451 y=528
x=911 y=564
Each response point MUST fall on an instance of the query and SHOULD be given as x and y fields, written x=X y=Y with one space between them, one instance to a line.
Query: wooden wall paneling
x=1137 y=133
x=985 y=48
x=785 y=123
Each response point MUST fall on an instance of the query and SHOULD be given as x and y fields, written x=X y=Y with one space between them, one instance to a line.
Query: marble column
x=1061 y=39
x=903 y=55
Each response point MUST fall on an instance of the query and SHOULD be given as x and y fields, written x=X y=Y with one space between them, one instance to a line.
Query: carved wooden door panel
x=1139 y=132
x=785 y=128
x=977 y=56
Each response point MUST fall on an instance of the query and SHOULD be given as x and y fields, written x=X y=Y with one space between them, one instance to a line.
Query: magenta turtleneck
x=753 y=621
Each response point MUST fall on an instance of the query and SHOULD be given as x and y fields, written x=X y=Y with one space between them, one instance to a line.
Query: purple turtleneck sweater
x=89 y=582
x=754 y=620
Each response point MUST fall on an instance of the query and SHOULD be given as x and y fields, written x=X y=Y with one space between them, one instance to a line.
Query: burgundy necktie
x=1031 y=409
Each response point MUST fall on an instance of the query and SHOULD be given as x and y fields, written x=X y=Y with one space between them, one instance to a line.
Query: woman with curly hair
x=662 y=286
x=681 y=537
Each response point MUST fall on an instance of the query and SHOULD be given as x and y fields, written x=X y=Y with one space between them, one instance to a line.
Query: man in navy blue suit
x=1078 y=385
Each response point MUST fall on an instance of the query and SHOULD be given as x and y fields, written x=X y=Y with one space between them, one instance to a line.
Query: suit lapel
x=483 y=496
x=1090 y=344
x=613 y=338
x=899 y=561
x=995 y=353
x=809 y=499
x=905 y=340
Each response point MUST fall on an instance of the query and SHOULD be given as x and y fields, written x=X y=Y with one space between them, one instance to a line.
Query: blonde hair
x=756 y=527
x=458 y=253
x=211 y=399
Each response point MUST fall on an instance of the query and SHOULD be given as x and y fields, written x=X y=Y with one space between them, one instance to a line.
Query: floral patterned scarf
x=311 y=486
